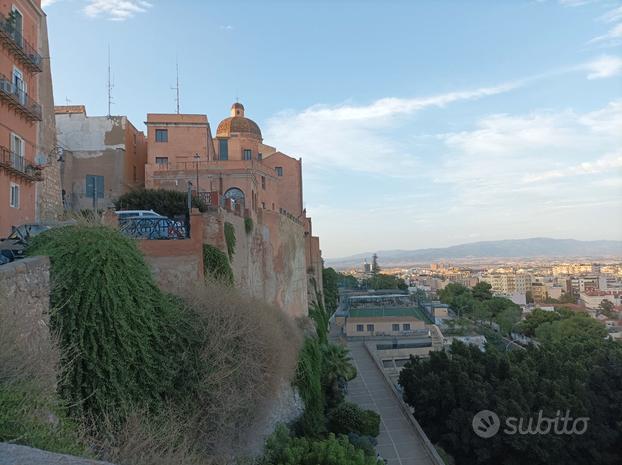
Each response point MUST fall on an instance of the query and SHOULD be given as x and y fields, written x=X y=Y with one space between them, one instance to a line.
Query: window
x=279 y=170
x=19 y=86
x=223 y=149
x=161 y=160
x=259 y=156
x=135 y=174
x=359 y=328
x=94 y=186
x=396 y=327
x=263 y=182
x=247 y=155
x=273 y=206
x=18 y=25
x=370 y=328
x=161 y=135
x=14 y=196
x=406 y=326
x=263 y=205
x=17 y=152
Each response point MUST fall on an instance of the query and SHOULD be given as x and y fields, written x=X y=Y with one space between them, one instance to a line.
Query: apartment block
x=27 y=143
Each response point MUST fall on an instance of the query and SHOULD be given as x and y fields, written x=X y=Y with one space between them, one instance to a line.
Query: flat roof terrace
x=380 y=312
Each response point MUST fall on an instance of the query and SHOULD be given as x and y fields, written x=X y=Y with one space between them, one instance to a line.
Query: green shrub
x=248 y=225
x=216 y=264
x=165 y=202
x=230 y=239
x=282 y=449
x=33 y=418
x=309 y=384
x=120 y=337
x=350 y=418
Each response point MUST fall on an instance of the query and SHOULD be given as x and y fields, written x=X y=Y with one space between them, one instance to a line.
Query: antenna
x=176 y=88
x=67 y=101
x=110 y=84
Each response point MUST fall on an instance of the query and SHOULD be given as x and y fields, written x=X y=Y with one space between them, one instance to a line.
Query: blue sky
x=420 y=124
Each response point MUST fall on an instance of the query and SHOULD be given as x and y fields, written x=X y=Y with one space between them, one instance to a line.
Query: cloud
x=614 y=35
x=116 y=10
x=358 y=137
x=514 y=161
x=604 y=67
x=226 y=27
x=46 y=3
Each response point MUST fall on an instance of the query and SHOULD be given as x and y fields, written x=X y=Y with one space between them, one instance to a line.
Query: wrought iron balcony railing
x=18 y=166
x=14 y=41
x=18 y=99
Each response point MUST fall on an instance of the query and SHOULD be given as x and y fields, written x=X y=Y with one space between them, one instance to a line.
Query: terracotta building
x=29 y=184
x=234 y=169
x=103 y=157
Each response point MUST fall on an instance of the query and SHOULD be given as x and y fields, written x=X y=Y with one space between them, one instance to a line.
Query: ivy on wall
x=230 y=239
x=248 y=225
x=216 y=264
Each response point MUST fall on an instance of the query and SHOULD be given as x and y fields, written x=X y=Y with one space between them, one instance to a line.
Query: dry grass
x=249 y=348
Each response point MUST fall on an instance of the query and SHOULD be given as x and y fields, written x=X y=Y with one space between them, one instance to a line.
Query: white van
x=122 y=214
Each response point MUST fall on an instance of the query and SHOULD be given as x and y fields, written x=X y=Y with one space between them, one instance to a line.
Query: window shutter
x=100 y=187
x=90 y=185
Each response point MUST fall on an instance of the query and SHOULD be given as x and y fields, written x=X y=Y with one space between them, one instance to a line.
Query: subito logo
x=486 y=424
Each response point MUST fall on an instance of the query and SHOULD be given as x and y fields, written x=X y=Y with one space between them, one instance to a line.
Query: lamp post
x=197 y=158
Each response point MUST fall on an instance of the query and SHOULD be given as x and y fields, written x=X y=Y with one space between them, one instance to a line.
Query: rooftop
x=379 y=312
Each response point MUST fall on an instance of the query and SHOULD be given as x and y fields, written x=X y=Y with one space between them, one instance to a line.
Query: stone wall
x=176 y=264
x=49 y=198
x=25 y=284
x=269 y=262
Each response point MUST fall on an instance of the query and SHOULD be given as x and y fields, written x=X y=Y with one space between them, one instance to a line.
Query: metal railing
x=153 y=228
x=17 y=164
x=15 y=41
x=19 y=99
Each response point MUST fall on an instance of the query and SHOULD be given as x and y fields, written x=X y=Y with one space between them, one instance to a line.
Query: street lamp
x=197 y=158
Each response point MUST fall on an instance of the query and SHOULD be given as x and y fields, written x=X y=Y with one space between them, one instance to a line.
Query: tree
x=536 y=318
x=482 y=291
x=579 y=326
x=165 y=202
x=606 y=307
x=330 y=281
x=385 y=281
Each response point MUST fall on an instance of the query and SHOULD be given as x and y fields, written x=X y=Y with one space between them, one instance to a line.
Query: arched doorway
x=236 y=196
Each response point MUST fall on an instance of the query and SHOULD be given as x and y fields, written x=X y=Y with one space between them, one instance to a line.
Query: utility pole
x=177 y=84
x=196 y=160
x=110 y=84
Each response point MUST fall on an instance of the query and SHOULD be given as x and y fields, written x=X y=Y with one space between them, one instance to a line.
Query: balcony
x=19 y=100
x=16 y=164
x=15 y=42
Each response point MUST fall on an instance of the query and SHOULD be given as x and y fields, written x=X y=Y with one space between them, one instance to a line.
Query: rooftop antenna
x=176 y=88
x=67 y=101
x=110 y=84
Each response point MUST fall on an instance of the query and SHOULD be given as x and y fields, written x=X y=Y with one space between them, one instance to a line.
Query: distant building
x=509 y=283
x=539 y=292
x=103 y=157
x=592 y=298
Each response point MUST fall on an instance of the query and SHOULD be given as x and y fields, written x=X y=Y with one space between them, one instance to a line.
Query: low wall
x=176 y=264
x=25 y=285
x=430 y=449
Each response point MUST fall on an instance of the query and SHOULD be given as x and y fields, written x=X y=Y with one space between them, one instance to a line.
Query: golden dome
x=238 y=123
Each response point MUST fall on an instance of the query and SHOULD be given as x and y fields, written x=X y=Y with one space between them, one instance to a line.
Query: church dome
x=238 y=123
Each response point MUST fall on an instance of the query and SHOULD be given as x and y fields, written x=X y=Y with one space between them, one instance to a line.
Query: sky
x=420 y=124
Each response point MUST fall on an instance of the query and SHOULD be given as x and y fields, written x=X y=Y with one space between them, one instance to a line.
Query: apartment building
x=27 y=138
x=509 y=283
x=103 y=157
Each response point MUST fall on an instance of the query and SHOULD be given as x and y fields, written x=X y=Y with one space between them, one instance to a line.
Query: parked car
x=123 y=214
x=14 y=246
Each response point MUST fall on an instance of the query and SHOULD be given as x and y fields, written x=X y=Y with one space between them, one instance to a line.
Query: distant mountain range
x=517 y=248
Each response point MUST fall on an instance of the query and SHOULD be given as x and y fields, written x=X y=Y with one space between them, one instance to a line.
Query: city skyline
x=506 y=127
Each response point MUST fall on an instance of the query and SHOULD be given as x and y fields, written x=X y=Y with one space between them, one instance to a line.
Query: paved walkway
x=397 y=442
